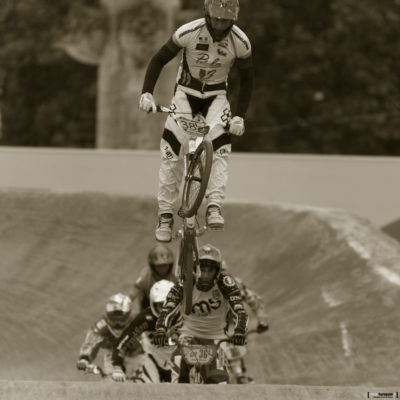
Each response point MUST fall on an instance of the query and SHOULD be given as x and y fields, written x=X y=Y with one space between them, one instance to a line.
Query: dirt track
x=333 y=308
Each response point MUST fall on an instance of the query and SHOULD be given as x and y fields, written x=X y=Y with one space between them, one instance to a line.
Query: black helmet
x=161 y=255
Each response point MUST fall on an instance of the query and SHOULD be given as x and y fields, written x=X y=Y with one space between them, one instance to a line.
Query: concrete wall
x=367 y=186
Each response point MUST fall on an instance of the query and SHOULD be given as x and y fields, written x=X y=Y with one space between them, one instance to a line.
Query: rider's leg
x=217 y=116
x=107 y=362
x=171 y=170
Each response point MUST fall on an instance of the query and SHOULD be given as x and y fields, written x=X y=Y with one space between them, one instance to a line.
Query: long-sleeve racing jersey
x=210 y=309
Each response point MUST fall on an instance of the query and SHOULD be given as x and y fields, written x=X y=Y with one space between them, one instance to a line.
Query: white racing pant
x=171 y=168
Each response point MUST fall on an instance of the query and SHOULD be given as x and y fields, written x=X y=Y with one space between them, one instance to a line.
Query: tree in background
x=121 y=48
x=46 y=98
x=327 y=76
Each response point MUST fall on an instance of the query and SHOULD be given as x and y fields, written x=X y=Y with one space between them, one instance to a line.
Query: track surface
x=330 y=280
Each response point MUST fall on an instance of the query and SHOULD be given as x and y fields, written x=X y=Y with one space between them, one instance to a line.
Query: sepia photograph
x=199 y=192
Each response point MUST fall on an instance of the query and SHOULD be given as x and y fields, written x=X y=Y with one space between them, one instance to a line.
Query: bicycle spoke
x=197 y=179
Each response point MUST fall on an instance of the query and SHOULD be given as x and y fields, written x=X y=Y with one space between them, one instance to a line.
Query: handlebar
x=163 y=109
x=198 y=231
x=95 y=370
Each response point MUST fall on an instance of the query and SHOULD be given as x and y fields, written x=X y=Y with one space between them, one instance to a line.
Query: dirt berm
x=330 y=281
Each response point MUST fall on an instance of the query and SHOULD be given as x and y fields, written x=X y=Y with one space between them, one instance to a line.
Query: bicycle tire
x=197 y=177
x=187 y=276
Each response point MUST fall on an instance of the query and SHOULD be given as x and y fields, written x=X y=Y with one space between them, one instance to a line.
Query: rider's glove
x=147 y=103
x=82 y=364
x=262 y=327
x=239 y=339
x=236 y=126
x=159 y=338
x=118 y=374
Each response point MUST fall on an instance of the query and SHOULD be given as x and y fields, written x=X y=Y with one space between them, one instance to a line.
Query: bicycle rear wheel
x=197 y=177
x=187 y=268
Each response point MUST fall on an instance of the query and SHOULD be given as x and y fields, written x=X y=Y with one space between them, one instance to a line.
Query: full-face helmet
x=210 y=260
x=118 y=310
x=158 y=295
x=161 y=261
x=220 y=16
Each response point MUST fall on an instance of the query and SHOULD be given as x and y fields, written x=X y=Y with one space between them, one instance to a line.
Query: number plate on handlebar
x=193 y=127
x=198 y=354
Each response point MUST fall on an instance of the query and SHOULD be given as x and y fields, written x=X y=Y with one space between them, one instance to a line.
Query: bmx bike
x=198 y=356
x=197 y=158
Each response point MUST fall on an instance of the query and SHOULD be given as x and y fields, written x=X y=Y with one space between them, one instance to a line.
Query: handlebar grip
x=163 y=109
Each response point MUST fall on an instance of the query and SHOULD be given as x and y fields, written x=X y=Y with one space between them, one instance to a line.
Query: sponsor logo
x=229 y=281
x=234 y=298
x=226 y=115
x=168 y=153
x=238 y=307
x=203 y=308
x=383 y=395
x=222 y=151
x=202 y=46
x=222 y=53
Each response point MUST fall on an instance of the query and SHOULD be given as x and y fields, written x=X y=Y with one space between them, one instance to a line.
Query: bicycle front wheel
x=197 y=177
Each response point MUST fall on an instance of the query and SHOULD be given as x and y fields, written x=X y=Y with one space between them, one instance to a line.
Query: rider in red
x=160 y=266
x=210 y=46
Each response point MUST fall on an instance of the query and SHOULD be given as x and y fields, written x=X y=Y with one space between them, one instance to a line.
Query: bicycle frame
x=196 y=175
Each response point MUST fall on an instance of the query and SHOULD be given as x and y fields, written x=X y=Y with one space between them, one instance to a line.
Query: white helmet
x=158 y=295
x=118 y=310
x=209 y=256
x=227 y=10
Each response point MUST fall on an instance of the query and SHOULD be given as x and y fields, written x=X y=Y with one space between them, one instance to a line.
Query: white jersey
x=208 y=318
x=205 y=64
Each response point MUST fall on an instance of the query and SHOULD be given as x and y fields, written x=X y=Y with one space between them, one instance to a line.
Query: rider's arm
x=170 y=308
x=144 y=321
x=256 y=304
x=162 y=57
x=231 y=292
x=93 y=341
x=246 y=73
x=140 y=288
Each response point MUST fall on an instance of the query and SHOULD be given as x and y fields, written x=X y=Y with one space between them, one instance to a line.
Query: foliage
x=326 y=75
x=46 y=98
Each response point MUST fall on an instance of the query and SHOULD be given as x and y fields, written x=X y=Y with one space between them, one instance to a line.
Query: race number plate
x=198 y=354
x=193 y=127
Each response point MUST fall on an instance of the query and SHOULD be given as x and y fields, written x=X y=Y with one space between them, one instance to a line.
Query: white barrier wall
x=367 y=186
